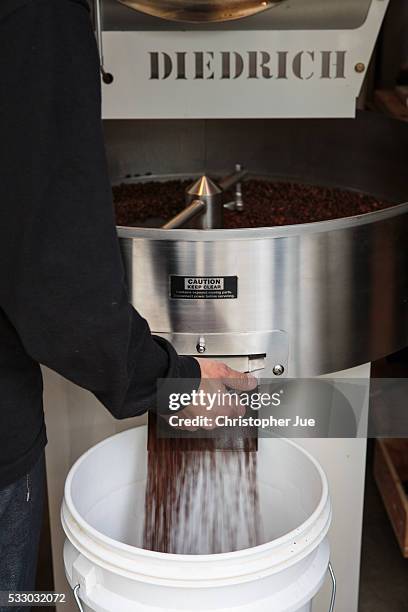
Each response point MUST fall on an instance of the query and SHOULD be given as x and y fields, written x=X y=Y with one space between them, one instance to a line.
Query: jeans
x=21 y=505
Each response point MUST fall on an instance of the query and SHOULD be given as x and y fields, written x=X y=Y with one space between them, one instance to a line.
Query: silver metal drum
x=316 y=298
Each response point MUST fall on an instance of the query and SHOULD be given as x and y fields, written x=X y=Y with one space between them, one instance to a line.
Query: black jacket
x=63 y=300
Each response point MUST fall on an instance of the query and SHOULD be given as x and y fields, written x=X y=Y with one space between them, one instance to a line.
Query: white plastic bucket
x=102 y=514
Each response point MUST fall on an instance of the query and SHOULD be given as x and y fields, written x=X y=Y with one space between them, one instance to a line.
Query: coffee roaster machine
x=230 y=89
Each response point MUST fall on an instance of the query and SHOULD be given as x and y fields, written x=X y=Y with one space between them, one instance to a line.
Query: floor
x=384 y=572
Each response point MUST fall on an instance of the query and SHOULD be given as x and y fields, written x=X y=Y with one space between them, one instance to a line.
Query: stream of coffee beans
x=266 y=203
x=201 y=498
x=201 y=502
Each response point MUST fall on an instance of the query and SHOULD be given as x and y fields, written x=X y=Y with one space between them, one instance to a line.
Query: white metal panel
x=344 y=461
x=303 y=78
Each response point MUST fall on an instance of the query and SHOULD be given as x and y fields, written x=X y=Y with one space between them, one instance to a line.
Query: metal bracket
x=243 y=351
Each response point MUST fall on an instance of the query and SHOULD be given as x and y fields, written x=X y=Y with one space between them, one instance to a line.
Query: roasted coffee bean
x=281 y=203
x=266 y=203
x=137 y=202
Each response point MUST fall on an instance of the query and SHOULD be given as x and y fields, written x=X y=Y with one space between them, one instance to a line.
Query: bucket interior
x=107 y=487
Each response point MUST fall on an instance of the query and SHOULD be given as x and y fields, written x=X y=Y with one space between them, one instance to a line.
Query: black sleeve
x=63 y=286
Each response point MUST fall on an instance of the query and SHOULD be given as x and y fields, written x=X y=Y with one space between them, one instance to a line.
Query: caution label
x=203 y=287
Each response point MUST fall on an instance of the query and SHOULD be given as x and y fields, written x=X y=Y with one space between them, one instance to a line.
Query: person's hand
x=216 y=379
x=218 y=371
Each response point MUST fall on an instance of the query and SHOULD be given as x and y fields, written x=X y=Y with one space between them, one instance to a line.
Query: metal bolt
x=201 y=348
x=278 y=370
x=107 y=77
x=359 y=67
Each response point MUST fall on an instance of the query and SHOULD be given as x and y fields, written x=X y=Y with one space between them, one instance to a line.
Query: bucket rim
x=316 y=525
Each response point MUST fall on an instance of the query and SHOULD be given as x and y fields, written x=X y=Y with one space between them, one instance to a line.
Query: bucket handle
x=332 y=598
x=76 y=595
x=334 y=588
